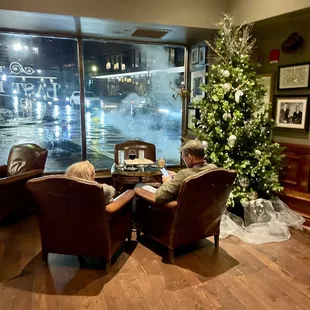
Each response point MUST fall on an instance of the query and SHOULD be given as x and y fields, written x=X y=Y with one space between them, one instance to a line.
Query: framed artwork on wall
x=195 y=55
x=292 y=112
x=293 y=77
x=198 y=77
x=191 y=113
x=202 y=55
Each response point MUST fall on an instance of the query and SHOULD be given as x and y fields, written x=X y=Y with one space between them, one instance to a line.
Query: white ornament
x=232 y=140
x=226 y=87
x=205 y=144
x=253 y=195
x=238 y=94
x=258 y=153
x=226 y=116
x=244 y=182
x=226 y=73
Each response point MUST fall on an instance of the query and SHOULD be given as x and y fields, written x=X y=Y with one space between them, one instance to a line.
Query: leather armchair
x=25 y=161
x=74 y=219
x=149 y=149
x=194 y=216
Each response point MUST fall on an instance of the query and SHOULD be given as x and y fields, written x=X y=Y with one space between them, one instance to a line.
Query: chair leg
x=45 y=257
x=82 y=261
x=171 y=256
x=108 y=265
x=216 y=241
x=129 y=236
x=138 y=234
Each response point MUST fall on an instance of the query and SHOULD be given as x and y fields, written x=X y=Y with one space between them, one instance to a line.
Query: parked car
x=91 y=100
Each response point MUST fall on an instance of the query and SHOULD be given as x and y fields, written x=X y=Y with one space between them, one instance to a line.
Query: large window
x=37 y=77
x=128 y=95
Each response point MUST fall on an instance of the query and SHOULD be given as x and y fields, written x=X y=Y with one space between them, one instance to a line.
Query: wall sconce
x=123 y=67
x=108 y=65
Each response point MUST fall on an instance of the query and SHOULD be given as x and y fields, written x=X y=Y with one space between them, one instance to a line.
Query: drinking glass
x=132 y=154
x=161 y=163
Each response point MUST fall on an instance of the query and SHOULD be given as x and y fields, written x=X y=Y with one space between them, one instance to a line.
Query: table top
x=142 y=170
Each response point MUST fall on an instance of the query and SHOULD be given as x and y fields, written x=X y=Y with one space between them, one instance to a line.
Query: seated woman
x=84 y=170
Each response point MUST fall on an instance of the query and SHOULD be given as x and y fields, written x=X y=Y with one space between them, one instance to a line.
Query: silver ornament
x=252 y=196
x=244 y=182
x=226 y=116
x=258 y=153
x=238 y=94
x=205 y=144
x=226 y=87
x=226 y=73
x=232 y=141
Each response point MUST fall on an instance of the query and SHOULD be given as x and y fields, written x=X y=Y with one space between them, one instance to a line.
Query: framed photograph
x=197 y=78
x=292 y=77
x=195 y=55
x=191 y=113
x=202 y=55
x=292 y=112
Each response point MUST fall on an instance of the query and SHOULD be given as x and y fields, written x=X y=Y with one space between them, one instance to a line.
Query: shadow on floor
x=63 y=275
x=201 y=257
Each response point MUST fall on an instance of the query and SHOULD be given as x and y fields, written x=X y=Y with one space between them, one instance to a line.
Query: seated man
x=193 y=157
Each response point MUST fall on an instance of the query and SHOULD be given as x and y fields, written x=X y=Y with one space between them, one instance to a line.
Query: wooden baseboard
x=297 y=201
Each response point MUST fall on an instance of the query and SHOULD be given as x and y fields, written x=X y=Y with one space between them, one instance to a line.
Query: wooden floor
x=237 y=276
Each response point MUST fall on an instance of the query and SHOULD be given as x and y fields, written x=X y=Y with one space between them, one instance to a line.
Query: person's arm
x=169 y=190
x=109 y=193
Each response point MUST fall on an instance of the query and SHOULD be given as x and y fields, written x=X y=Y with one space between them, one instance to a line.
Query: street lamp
x=94 y=69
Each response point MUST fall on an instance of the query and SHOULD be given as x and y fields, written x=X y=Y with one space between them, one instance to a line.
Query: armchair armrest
x=21 y=177
x=3 y=171
x=142 y=193
x=120 y=201
x=150 y=197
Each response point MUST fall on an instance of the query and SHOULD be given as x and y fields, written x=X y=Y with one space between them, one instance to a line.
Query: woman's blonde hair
x=82 y=170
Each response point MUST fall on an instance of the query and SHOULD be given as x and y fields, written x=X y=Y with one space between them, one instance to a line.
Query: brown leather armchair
x=74 y=219
x=149 y=149
x=25 y=161
x=194 y=216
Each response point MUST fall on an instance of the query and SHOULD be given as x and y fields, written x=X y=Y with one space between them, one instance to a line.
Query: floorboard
x=236 y=276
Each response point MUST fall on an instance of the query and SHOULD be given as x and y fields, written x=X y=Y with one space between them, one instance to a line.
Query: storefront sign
x=21 y=79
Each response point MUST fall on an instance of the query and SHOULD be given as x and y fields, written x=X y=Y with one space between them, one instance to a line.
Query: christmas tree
x=234 y=124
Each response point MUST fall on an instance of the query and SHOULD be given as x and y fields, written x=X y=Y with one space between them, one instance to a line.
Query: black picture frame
x=281 y=74
x=202 y=55
x=195 y=56
x=285 y=112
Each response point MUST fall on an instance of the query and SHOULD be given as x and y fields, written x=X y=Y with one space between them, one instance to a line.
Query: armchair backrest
x=149 y=149
x=26 y=157
x=71 y=215
x=201 y=202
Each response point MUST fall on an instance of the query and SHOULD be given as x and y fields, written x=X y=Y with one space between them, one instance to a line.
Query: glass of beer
x=161 y=163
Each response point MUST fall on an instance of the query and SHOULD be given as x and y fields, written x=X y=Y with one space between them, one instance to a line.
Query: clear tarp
x=264 y=221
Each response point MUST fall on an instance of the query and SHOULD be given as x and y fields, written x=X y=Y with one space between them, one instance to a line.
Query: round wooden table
x=122 y=176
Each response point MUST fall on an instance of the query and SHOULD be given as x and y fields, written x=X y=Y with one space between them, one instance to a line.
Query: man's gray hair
x=193 y=147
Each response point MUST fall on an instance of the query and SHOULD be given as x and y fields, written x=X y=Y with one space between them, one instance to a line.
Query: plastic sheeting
x=264 y=221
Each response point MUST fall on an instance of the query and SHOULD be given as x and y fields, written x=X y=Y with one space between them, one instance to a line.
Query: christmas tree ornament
x=226 y=116
x=258 y=153
x=238 y=94
x=226 y=87
x=231 y=141
x=226 y=73
x=244 y=182
x=253 y=195
x=205 y=144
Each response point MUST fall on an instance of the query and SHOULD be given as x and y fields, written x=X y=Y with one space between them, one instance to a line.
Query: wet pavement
x=57 y=128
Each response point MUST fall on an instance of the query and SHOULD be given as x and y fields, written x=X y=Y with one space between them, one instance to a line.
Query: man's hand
x=171 y=174
x=166 y=178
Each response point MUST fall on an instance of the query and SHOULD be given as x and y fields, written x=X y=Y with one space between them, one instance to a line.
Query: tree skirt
x=264 y=221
